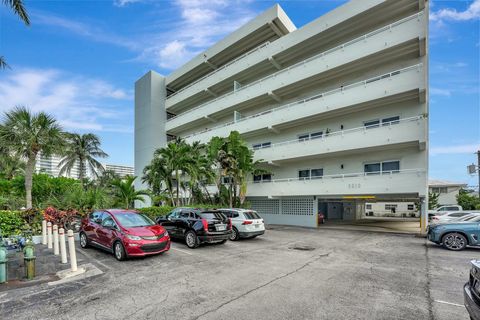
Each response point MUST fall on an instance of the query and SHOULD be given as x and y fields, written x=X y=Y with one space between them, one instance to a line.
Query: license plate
x=220 y=227
x=257 y=226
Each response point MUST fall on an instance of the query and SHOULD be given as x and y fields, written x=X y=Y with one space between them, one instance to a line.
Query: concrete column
x=56 y=250
x=44 y=231
x=423 y=216
x=49 y=236
x=63 y=249
x=71 y=250
x=150 y=120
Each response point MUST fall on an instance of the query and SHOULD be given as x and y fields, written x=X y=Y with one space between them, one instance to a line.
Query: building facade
x=120 y=170
x=336 y=110
x=447 y=190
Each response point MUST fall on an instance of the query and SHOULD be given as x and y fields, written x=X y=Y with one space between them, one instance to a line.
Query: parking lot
x=289 y=273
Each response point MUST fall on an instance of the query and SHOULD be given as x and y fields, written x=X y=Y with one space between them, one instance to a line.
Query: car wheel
x=84 y=243
x=191 y=239
x=119 y=251
x=234 y=235
x=454 y=241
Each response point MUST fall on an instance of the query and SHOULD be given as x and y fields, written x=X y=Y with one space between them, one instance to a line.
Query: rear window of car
x=251 y=215
x=212 y=215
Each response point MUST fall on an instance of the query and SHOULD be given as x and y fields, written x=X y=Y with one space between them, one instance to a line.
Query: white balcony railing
x=314 y=97
x=263 y=45
x=342 y=133
x=301 y=63
x=392 y=182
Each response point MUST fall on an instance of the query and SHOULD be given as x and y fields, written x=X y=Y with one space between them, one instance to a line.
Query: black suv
x=197 y=226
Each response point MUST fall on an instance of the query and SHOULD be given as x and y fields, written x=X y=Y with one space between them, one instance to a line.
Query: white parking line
x=95 y=260
x=450 y=303
x=181 y=251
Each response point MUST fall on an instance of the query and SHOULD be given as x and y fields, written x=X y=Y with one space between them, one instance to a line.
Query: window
x=262 y=178
x=390 y=120
x=391 y=166
x=308 y=136
x=108 y=222
x=175 y=214
x=410 y=207
x=390 y=206
x=226 y=180
x=372 y=168
x=372 y=124
x=440 y=190
x=184 y=214
x=316 y=173
x=368 y=206
x=304 y=174
x=97 y=217
x=262 y=145
x=458 y=214
x=251 y=215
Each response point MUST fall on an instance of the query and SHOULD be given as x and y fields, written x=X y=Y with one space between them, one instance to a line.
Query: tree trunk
x=81 y=174
x=231 y=193
x=29 y=168
x=177 y=178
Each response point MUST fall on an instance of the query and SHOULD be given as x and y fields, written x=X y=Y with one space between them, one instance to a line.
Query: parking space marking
x=450 y=303
x=94 y=260
x=181 y=251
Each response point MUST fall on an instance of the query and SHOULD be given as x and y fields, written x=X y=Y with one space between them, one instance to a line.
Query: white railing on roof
x=340 y=47
x=263 y=45
x=325 y=135
x=343 y=176
x=317 y=96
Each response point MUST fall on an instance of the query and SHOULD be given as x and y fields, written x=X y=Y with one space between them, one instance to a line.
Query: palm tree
x=82 y=149
x=19 y=9
x=159 y=177
x=26 y=135
x=125 y=191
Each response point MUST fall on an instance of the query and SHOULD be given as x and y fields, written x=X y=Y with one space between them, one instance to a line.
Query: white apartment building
x=337 y=110
x=120 y=170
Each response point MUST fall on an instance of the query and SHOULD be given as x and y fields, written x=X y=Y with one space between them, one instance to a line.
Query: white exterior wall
x=351 y=77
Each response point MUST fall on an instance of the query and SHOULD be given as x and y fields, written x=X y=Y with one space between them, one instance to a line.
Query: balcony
x=410 y=181
x=385 y=87
x=408 y=131
x=402 y=32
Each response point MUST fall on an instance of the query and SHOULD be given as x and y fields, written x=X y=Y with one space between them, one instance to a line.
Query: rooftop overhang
x=268 y=26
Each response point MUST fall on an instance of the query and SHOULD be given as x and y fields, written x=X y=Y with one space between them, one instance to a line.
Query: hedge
x=11 y=222
x=154 y=212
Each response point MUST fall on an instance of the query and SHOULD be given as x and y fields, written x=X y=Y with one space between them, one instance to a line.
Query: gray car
x=471 y=291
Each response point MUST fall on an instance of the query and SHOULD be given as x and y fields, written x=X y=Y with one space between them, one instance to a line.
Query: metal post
x=56 y=250
x=44 y=232
x=49 y=235
x=71 y=250
x=3 y=264
x=63 y=249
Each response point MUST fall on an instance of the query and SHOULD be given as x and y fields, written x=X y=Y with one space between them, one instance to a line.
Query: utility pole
x=478 y=171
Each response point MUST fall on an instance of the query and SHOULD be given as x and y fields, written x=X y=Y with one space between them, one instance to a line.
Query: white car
x=245 y=223
x=448 y=216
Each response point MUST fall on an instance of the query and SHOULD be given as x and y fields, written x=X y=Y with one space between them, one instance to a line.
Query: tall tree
x=18 y=8
x=26 y=135
x=158 y=175
x=82 y=149
x=125 y=191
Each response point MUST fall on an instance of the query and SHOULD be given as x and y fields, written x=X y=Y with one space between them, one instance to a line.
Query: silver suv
x=246 y=223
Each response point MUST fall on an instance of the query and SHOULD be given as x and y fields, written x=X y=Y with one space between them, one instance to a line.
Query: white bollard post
x=49 y=235
x=63 y=249
x=56 y=251
x=71 y=250
x=44 y=231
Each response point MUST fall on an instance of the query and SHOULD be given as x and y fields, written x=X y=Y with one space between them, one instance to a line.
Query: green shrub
x=11 y=223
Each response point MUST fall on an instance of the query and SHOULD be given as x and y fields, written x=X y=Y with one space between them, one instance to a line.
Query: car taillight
x=229 y=224
x=205 y=224
x=247 y=222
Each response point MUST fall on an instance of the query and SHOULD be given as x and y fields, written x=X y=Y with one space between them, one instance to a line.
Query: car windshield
x=132 y=220
x=251 y=215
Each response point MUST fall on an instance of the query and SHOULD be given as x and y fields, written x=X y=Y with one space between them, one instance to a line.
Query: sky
x=79 y=60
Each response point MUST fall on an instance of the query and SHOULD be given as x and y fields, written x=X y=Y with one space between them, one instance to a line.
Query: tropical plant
x=125 y=192
x=82 y=149
x=468 y=201
x=10 y=166
x=432 y=200
x=27 y=135
x=18 y=8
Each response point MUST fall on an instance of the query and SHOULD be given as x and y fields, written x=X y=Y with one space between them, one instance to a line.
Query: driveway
x=347 y=275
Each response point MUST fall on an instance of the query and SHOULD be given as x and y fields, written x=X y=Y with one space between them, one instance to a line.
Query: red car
x=125 y=233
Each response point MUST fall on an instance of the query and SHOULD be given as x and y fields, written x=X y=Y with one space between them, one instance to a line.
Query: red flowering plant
x=68 y=219
x=52 y=215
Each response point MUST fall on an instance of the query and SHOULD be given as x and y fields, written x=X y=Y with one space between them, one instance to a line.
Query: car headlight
x=165 y=233
x=133 y=237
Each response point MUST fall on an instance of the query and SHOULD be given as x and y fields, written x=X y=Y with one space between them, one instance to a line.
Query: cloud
x=123 y=3
x=82 y=29
x=456 y=149
x=440 y=92
x=79 y=103
x=471 y=13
